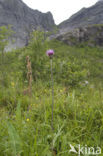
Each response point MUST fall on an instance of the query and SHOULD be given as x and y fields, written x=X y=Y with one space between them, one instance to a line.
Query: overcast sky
x=61 y=9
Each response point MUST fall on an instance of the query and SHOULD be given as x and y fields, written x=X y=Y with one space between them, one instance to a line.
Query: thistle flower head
x=50 y=52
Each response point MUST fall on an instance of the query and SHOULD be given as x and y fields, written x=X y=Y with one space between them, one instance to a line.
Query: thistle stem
x=52 y=82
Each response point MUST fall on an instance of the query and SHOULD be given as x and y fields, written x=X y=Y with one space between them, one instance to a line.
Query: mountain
x=83 y=28
x=85 y=17
x=23 y=20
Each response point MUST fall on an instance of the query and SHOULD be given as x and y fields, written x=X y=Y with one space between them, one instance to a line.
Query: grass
x=78 y=119
x=25 y=122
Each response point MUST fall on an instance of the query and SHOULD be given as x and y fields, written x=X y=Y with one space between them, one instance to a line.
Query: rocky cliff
x=89 y=35
x=84 y=27
x=23 y=20
x=85 y=17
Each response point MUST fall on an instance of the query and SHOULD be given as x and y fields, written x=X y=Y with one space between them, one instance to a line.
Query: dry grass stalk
x=29 y=77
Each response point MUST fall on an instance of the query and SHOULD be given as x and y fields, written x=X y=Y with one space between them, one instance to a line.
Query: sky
x=61 y=9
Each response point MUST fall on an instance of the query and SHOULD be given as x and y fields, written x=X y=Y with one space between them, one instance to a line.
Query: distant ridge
x=84 y=17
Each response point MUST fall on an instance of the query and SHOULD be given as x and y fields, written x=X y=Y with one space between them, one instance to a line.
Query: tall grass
x=77 y=120
x=78 y=105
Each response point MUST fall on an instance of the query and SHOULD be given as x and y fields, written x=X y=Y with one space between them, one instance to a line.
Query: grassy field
x=25 y=121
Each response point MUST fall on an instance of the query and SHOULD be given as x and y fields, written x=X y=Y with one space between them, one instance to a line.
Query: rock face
x=23 y=20
x=85 y=17
x=90 y=36
x=84 y=27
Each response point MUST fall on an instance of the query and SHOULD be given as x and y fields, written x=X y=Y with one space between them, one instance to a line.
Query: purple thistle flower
x=50 y=52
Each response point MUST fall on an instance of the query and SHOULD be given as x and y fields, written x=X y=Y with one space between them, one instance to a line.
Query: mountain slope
x=85 y=17
x=23 y=20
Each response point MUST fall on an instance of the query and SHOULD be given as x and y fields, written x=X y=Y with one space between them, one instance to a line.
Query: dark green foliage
x=66 y=69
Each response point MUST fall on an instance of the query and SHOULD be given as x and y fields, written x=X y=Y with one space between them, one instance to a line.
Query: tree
x=5 y=33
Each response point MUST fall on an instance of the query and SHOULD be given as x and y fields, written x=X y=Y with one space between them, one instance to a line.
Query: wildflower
x=36 y=98
x=50 y=52
x=45 y=91
x=86 y=82
x=27 y=119
x=13 y=84
x=61 y=91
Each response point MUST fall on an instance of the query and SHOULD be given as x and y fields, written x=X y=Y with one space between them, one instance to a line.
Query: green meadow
x=25 y=119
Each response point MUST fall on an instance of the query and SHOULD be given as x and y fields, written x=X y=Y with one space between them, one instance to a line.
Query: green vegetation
x=25 y=121
x=5 y=33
